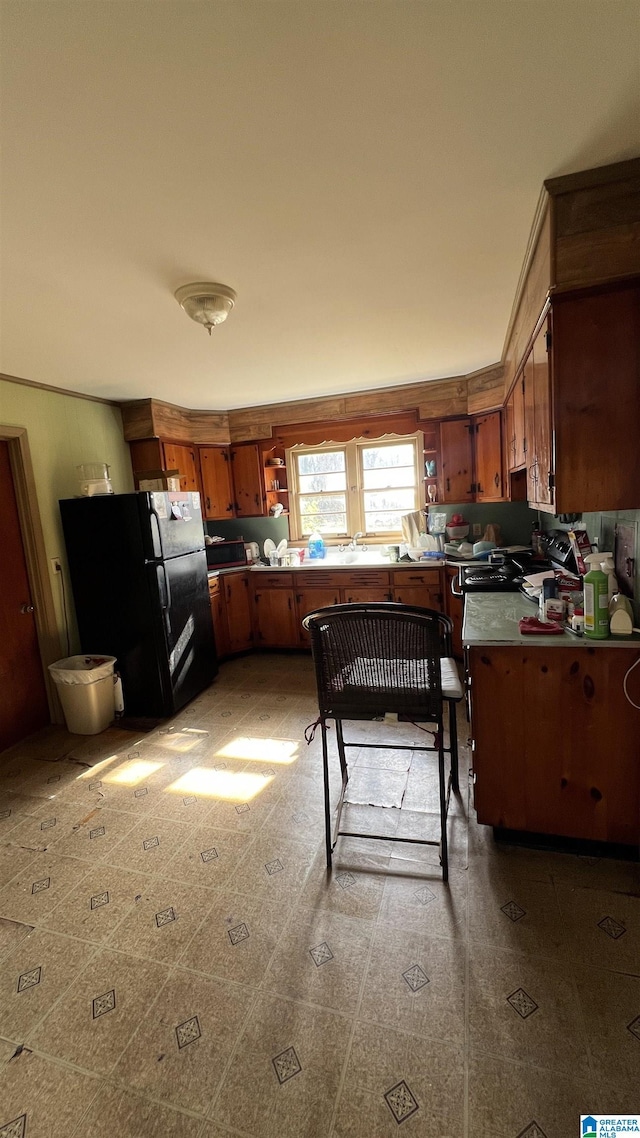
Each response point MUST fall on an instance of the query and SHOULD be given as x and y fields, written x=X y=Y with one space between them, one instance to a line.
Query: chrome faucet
x=353 y=544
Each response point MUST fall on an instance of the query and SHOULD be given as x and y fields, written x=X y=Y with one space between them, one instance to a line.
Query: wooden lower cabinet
x=281 y=600
x=238 y=611
x=219 y=617
x=275 y=618
x=307 y=600
x=555 y=741
x=421 y=587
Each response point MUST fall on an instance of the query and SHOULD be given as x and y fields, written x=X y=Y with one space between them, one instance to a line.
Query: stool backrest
x=379 y=657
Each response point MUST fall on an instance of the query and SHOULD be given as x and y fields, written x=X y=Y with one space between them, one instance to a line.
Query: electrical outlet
x=56 y=565
x=477 y=529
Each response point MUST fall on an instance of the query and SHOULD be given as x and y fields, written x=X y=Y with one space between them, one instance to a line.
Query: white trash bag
x=85 y=685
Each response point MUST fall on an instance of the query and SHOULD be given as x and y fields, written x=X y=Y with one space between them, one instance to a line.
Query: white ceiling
x=363 y=173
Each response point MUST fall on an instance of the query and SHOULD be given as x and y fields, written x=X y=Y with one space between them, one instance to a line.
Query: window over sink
x=366 y=484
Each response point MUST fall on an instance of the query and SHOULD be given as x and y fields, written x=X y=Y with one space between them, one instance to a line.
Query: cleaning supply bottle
x=596 y=599
x=609 y=568
x=315 y=545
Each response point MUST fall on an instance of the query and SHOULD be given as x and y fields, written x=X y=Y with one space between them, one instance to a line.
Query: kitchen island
x=555 y=742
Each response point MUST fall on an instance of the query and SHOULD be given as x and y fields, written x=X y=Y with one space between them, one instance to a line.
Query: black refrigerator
x=139 y=577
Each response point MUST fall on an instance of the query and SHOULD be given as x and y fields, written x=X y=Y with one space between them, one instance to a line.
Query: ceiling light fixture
x=206 y=303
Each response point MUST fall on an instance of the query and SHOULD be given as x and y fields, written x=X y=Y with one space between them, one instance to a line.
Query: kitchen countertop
x=325 y=563
x=492 y=618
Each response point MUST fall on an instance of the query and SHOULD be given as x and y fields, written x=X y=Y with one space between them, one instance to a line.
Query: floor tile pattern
x=175 y=959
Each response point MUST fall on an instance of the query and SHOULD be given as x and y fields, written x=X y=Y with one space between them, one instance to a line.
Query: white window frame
x=355 y=488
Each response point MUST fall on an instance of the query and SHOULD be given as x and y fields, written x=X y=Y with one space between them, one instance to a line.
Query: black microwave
x=223 y=554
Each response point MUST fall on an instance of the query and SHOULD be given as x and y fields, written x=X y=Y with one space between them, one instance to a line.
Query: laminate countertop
x=492 y=618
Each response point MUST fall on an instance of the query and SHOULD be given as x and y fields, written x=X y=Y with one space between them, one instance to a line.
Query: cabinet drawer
x=365 y=578
x=408 y=577
x=272 y=580
x=319 y=579
x=214 y=586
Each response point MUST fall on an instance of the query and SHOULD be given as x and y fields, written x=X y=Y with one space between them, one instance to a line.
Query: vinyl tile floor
x=176 y=961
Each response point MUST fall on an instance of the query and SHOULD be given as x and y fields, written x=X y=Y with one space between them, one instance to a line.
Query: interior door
x=23 y=697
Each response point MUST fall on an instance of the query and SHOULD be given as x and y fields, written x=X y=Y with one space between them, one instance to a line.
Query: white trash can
x=85 y=685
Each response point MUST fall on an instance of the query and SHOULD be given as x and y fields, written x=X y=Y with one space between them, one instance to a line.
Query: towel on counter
x=412 y=526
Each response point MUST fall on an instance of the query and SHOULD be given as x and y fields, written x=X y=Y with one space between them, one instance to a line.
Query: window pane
x=327 y=514
x=321 y=462
x=310 y=483
x=400 y=454
x=403 y=500
x=323 y=523
x=391 y=476
x=380 y=522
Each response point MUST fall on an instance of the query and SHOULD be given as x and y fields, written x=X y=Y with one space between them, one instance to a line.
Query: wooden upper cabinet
x=596 y=399
x=246 y=468
x=542 y=430
x=215 y=467
x=185 y=460
x=519 y=433
x=529 y=427
x=488 y=455
x=456 y=461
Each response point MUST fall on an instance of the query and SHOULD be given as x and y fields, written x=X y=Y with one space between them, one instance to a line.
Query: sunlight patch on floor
x=132 y=772
x=92 y=771
x=184 y=740
x=232 y=786
x=260 y=750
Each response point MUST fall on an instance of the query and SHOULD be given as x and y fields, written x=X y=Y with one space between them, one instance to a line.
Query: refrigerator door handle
x=165 y=598
x=156 y=539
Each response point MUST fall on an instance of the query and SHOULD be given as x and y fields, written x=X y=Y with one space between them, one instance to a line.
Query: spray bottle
x=608 y=567
x=596 y=599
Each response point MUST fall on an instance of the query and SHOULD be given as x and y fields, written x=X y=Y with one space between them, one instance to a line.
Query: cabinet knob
x=497 y=479
x=448 y=484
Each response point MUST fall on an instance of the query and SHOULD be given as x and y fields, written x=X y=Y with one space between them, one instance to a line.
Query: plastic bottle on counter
x=596 y=599
x=609 y=568
x=315 y=545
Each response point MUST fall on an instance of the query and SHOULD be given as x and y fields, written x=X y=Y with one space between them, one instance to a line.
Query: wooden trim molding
x=429 y=400
x=57 y=390
x=36 y=557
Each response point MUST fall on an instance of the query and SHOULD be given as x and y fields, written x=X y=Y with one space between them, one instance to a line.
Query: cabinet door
x=488 y=446
x=247 y=480
x=519 y=441
x=456 y=460
x=219 y=619
x=184 y=459
x=275 y=618
x=239 y=625
x=508 y=422
x=216 y=482
x=307 y=600
x=530 y=429
x=542 y=419
x=422 y=595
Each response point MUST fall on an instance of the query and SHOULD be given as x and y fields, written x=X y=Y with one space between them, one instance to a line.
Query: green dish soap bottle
x=596 y=599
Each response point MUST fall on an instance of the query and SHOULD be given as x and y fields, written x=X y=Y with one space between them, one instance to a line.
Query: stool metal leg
x=444 y=857
x=327 y=806
x=341 y=752
x=453 y=746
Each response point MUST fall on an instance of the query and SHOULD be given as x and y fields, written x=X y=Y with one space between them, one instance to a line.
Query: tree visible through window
x=365 y=486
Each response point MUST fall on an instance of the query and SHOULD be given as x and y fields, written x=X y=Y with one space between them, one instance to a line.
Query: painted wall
x=515 y=519
x=64 y=431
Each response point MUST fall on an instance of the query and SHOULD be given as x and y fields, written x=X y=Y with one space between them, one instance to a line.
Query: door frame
x=36 y=557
